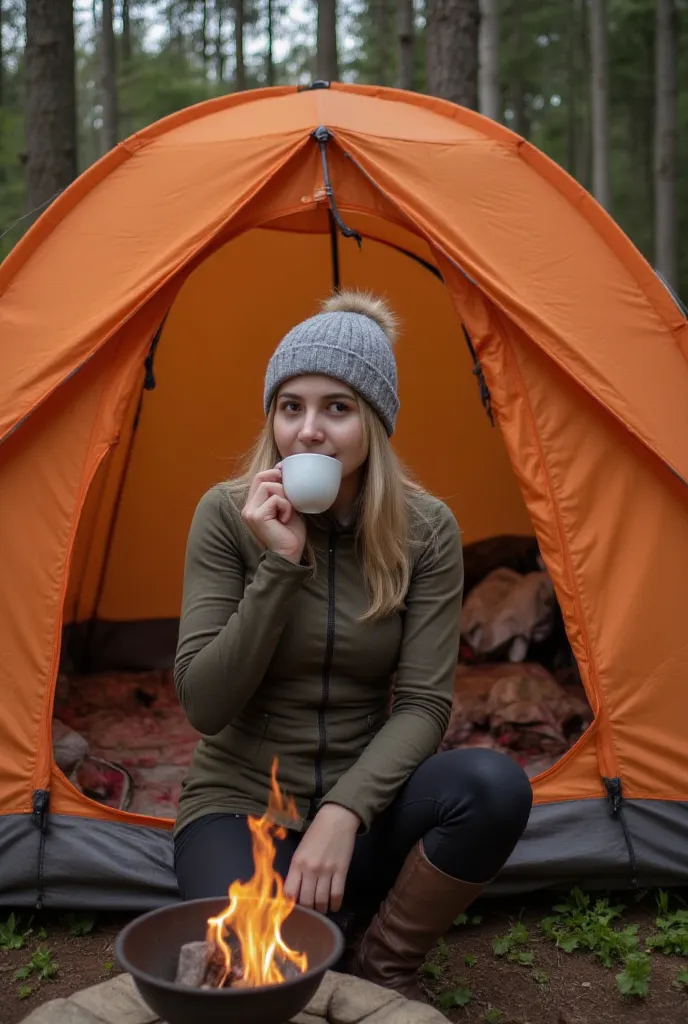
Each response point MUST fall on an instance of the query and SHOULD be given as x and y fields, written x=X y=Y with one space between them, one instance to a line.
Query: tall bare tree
x=489 y=92
x=666 y=221
x=452 y=50
x=326 y=65
x=239 y=20
x=405 y=37
x=219 y=41
x=108 y=77
x=51 y=162
x=269 y=57
x=126 y=32
x=599 y=82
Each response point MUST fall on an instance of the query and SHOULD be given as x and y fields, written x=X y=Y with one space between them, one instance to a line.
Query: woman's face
x=319 y=414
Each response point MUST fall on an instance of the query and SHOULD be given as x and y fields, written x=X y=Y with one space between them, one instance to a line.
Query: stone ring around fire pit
x=340 y=999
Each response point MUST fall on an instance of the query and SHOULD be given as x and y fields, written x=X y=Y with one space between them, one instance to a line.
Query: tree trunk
x=666 y=237
x=2 y=61
x=488 y=72
x=405 y=41
x=126 y=32
x=219 y=42
x=269 y=58
x=327 y=68
x=452 y=50
x=239 y=12
x=204 y=38
x=108 y=78
x=599 y=73
x=50 y=99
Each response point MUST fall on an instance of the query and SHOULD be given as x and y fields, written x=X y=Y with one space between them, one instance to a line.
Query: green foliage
x=79 y=925
x=580 y=924
x=681 y=979
x=672 y=930
x=512 y=946
x=541 y=978
x=463 y=919
x=634 y=980
x=43 y=964
x=469 y=960
x=10 y=936
x=460 y=996
x=24 y=991
x=493 y=1016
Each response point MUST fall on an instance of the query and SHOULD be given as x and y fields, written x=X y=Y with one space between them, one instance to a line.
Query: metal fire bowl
x=148 y=949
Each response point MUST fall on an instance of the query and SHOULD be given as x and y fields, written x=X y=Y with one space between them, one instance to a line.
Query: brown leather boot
x=418 y=910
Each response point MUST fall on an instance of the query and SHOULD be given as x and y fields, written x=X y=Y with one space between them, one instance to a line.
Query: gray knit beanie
x=351 y=340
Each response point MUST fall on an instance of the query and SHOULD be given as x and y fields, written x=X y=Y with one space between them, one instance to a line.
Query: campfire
x=244 y=947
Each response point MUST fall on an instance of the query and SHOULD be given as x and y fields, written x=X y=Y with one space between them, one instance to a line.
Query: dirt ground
x=529 y=980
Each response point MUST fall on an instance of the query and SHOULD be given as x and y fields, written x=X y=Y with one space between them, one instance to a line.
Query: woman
x=293 y=630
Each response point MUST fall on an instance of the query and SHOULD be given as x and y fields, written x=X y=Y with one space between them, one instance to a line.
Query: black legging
x=470 y=807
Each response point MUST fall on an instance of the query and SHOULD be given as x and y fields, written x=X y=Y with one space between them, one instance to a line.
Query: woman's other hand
x=271 y=518
x=319 y=867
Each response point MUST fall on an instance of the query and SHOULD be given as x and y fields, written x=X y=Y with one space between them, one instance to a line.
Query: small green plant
x=108 y=965
x=41 y=965
x=10 y=936
x=512 y=946
x=493 y=1016
x=24 y=991
x=460 y=996
x=80 y=924
x=681 y=979
x=672 y=929
x=430 y=969
x=541 y=978
x=469 y=960
x=42 y=933
x=465 y=919
x=634 y=980
x=580 y=924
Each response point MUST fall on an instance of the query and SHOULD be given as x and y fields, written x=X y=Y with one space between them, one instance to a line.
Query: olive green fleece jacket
x=271 y=660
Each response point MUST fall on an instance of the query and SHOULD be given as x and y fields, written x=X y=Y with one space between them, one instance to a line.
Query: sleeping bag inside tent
x=543 y=380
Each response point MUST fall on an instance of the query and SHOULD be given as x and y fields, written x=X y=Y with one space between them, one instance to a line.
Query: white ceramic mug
x=311 y=482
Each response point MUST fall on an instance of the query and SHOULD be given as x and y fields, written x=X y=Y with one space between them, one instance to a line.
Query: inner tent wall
x=206 y=409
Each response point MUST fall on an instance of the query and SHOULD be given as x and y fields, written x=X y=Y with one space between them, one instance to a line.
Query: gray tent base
x=81 y=863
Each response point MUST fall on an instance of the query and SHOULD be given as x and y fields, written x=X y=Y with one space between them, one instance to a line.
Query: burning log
x=202 y=965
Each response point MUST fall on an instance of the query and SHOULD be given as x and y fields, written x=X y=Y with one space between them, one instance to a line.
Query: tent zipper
x=614 y=790
x=39 y=816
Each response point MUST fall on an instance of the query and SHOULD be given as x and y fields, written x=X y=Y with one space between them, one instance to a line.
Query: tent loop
x=322 y=136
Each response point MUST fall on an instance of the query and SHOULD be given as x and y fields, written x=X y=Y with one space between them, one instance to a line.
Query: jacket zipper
x=329 y=651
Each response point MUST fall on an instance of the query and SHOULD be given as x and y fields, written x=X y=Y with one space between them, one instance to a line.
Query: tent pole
x=334 y=250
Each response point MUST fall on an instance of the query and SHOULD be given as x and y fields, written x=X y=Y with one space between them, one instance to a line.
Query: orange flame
x=258 y=908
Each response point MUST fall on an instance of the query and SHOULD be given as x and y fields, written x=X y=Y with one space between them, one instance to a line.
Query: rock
x=319 y=1004
x=61 y=1011
x=355 y=1000
x=194 y=958
x=306 y=1018
x=115 y=1001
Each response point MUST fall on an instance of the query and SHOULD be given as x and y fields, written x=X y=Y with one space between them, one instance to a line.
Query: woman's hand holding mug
x=272 y=519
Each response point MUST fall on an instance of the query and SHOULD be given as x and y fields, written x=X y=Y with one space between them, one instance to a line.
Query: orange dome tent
x=180 y=259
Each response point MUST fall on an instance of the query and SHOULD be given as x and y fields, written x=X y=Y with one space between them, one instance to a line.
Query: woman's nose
x=311 y=429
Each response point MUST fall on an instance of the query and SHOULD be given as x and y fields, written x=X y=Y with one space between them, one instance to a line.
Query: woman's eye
x=290 y=407
x=340 y=407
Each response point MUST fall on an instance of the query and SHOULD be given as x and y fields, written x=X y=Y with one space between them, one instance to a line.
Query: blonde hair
x=386 y=511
